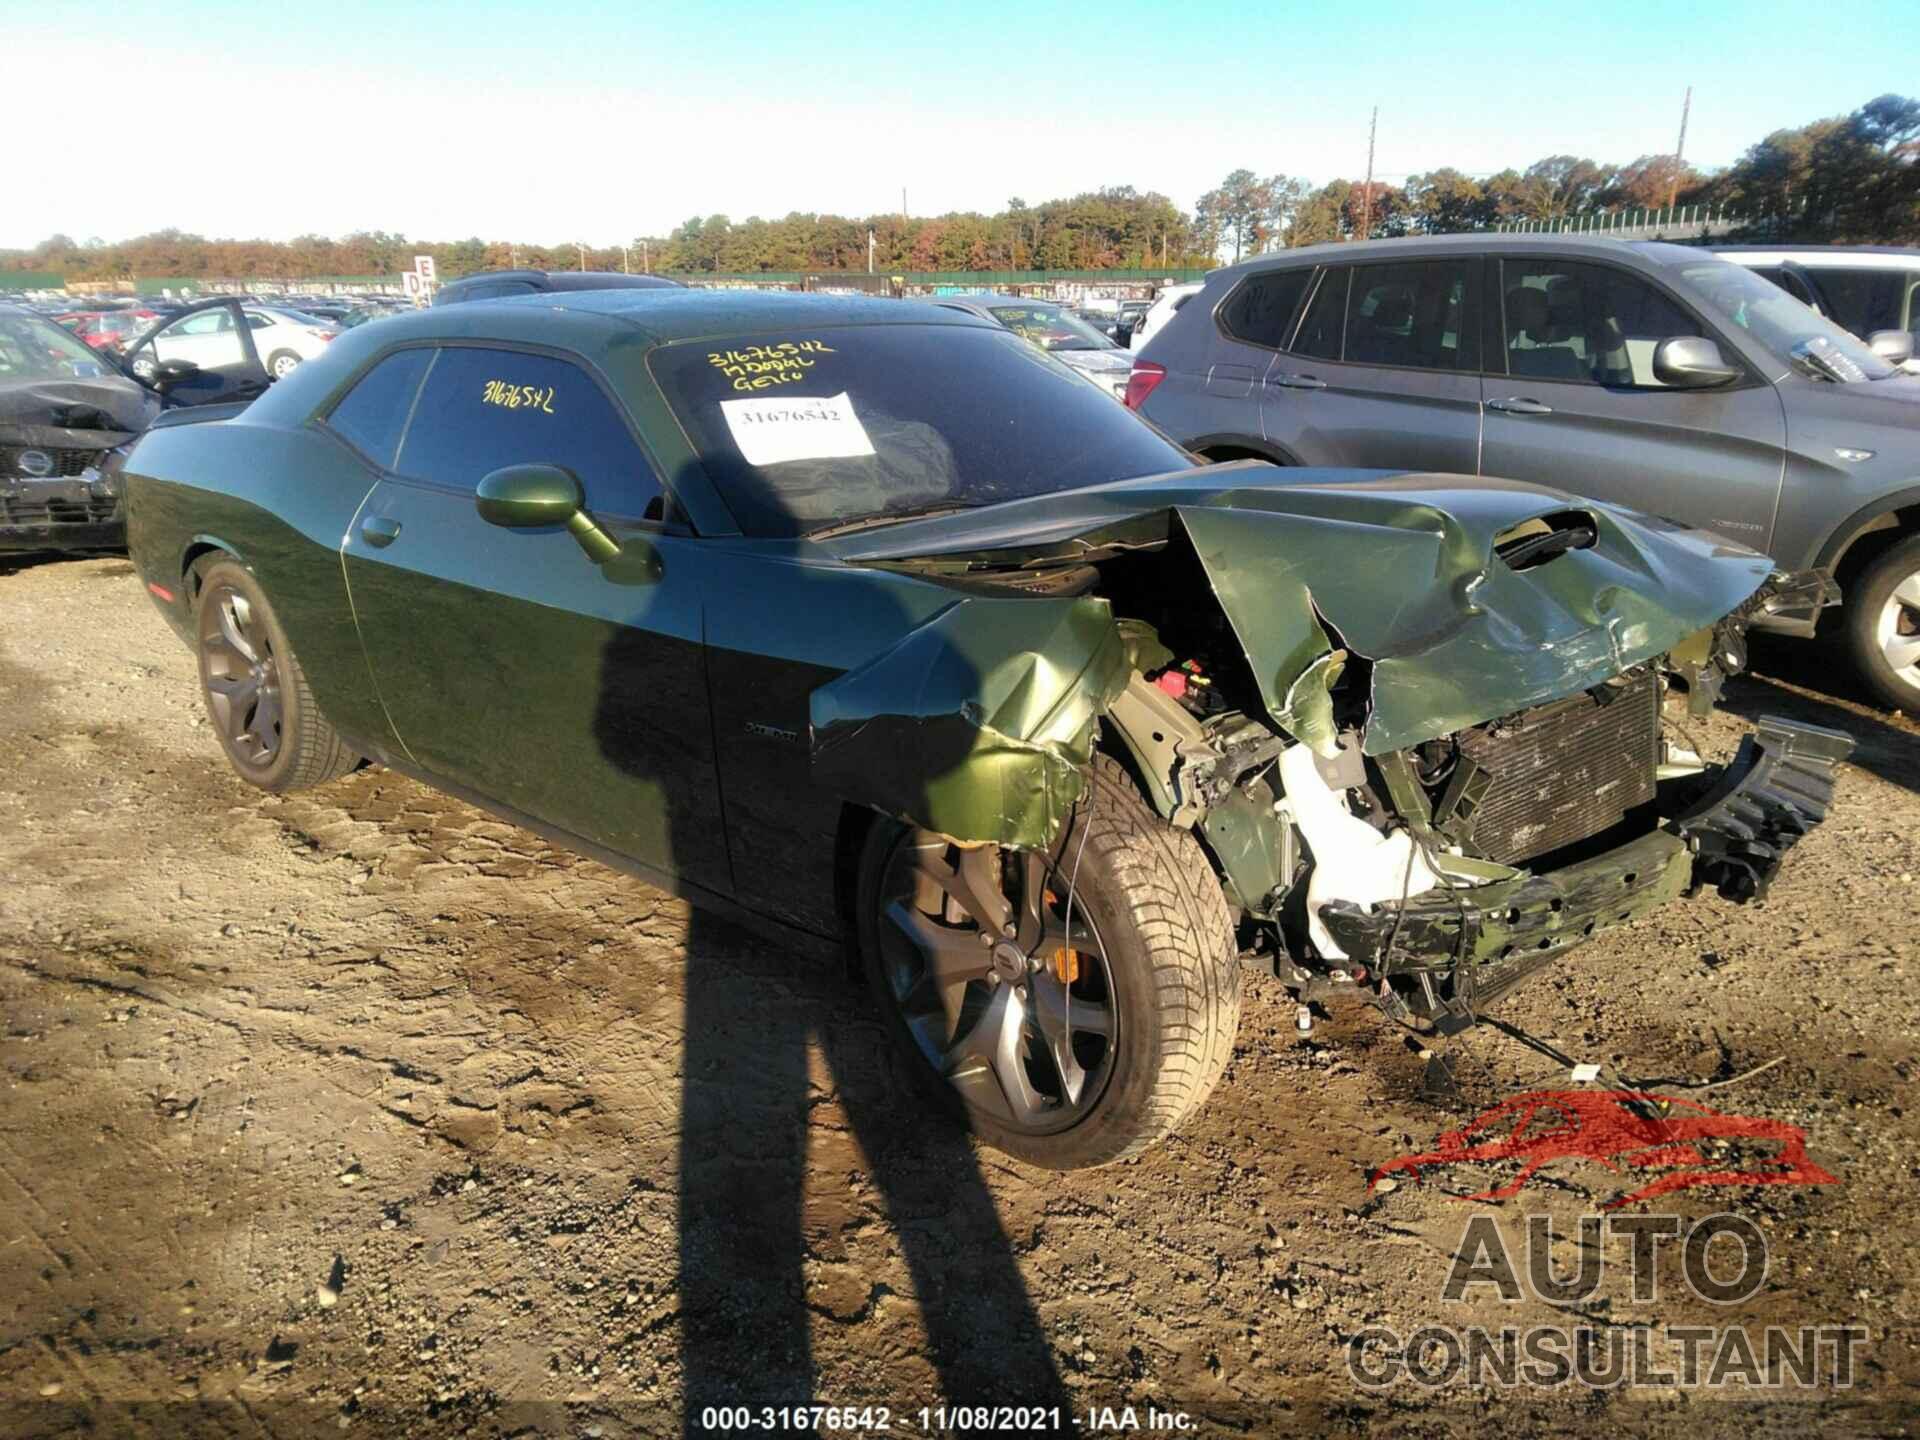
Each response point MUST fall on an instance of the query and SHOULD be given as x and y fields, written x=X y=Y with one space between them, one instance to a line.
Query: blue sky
x=551 y=120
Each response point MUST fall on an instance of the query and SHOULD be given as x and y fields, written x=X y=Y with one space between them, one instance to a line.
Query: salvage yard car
x=1057 y=330
x=1056 y=730
x=65 y=412
x=1652 y=375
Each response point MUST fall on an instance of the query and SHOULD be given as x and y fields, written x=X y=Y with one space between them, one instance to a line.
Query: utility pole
x=581 y=247
x=626 y=259
x=1366 y=214
x=869 y=249
x=903 y=202
x=1680 y=149
x=646 y=260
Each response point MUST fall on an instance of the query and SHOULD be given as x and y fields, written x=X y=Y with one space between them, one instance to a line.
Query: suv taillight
x=1140 y=383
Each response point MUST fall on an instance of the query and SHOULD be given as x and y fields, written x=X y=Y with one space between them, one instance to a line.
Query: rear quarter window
x=1262 y=308
x=372 y=415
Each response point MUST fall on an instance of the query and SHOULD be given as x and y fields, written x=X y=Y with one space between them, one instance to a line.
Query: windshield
x=1050 y=327
x=34 y=349
x=799 y=431
x=1782 y=324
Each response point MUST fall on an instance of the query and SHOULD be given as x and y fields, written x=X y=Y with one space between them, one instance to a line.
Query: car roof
x=1506 y=242
x=681 y=314
x=1818 y=257
x=567 y=279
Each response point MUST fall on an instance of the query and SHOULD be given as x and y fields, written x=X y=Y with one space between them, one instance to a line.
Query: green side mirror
x=523 y=497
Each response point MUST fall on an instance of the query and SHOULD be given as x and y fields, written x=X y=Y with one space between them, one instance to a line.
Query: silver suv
x=1650 y=375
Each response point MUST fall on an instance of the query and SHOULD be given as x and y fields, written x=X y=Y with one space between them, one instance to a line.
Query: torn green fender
x=979 y=723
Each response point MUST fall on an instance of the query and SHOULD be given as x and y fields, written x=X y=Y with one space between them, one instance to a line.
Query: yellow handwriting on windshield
x=517 y=397
x=759 y=367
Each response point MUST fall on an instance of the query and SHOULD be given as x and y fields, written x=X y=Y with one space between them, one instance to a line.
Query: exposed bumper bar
x=1778 y=788
x=1465 y=947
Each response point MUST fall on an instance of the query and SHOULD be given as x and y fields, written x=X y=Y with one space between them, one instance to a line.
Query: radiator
x=1554 y=775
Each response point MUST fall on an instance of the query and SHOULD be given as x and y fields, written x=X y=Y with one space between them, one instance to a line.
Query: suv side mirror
x=1692 y=362
x=1893 y=346
x=526 y=497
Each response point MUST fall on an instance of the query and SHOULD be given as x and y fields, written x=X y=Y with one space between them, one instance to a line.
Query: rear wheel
x=1073 y=1007
x=282 y=363
x=256 y=693
x=1883 y=625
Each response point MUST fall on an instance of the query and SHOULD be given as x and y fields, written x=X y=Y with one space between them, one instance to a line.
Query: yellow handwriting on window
x=517 y=397
x=758 y=367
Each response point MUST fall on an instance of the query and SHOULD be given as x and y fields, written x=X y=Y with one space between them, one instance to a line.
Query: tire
x=1161 y=948
x=143 y=367
x=262 y=712
x=282 y=363
x=1883 y=625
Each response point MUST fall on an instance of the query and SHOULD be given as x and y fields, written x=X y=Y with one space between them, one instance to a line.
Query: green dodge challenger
x=874 y=626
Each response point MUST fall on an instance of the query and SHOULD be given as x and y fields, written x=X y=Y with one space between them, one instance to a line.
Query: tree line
x=1848 y=179
x=1851 y=179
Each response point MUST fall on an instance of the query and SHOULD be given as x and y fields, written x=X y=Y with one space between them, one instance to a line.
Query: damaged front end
x=1419 y=724
x=62 y=445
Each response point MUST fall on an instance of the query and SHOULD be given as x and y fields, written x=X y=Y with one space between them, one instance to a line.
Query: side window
x=1862 y=301
x=207 y=322
x=374 y=412
x=257 y=321
x=1565 y=320
x=1412 y=315
x=1261 y=310
x=1320 y=332
x=481 y=409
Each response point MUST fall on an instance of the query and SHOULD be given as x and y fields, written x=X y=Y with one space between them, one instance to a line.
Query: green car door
x=509 y=662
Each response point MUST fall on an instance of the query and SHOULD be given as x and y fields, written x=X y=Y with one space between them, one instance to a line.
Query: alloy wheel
x=1898 y=629
x=1008 y=1003
x=242 y=676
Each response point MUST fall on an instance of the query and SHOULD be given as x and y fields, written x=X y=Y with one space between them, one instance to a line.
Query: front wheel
x=1883 y=625
x=1073 y=1007
x=255 y=691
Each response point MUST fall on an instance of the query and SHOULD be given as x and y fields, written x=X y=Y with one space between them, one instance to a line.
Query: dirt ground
x=359 y=1111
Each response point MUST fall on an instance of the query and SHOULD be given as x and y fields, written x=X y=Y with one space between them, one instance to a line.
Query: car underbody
x=1421 y=797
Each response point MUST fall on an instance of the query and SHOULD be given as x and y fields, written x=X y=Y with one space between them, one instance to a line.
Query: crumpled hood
x=102 y=412
x=1399 y=569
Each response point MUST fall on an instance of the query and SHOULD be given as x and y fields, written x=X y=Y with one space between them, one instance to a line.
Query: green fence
x=31 y=280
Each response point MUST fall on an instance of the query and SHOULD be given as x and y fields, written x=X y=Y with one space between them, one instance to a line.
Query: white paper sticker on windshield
x=769 y=431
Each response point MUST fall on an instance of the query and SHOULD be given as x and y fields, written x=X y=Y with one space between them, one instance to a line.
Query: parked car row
x=1654 y=376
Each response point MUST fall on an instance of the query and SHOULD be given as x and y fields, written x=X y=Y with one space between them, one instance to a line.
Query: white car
x=1867 y=289
x=1160 y=312
x=209 y=338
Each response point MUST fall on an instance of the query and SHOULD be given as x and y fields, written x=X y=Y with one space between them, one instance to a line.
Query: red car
x=1624 y=1130
x=107 y=329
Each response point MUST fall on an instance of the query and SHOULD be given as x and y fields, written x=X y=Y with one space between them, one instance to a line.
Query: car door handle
x=379 y=532
x=1298 y=382
x=1519 y=405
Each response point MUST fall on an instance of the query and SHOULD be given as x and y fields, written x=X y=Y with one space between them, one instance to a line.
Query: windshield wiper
x=883 y=517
